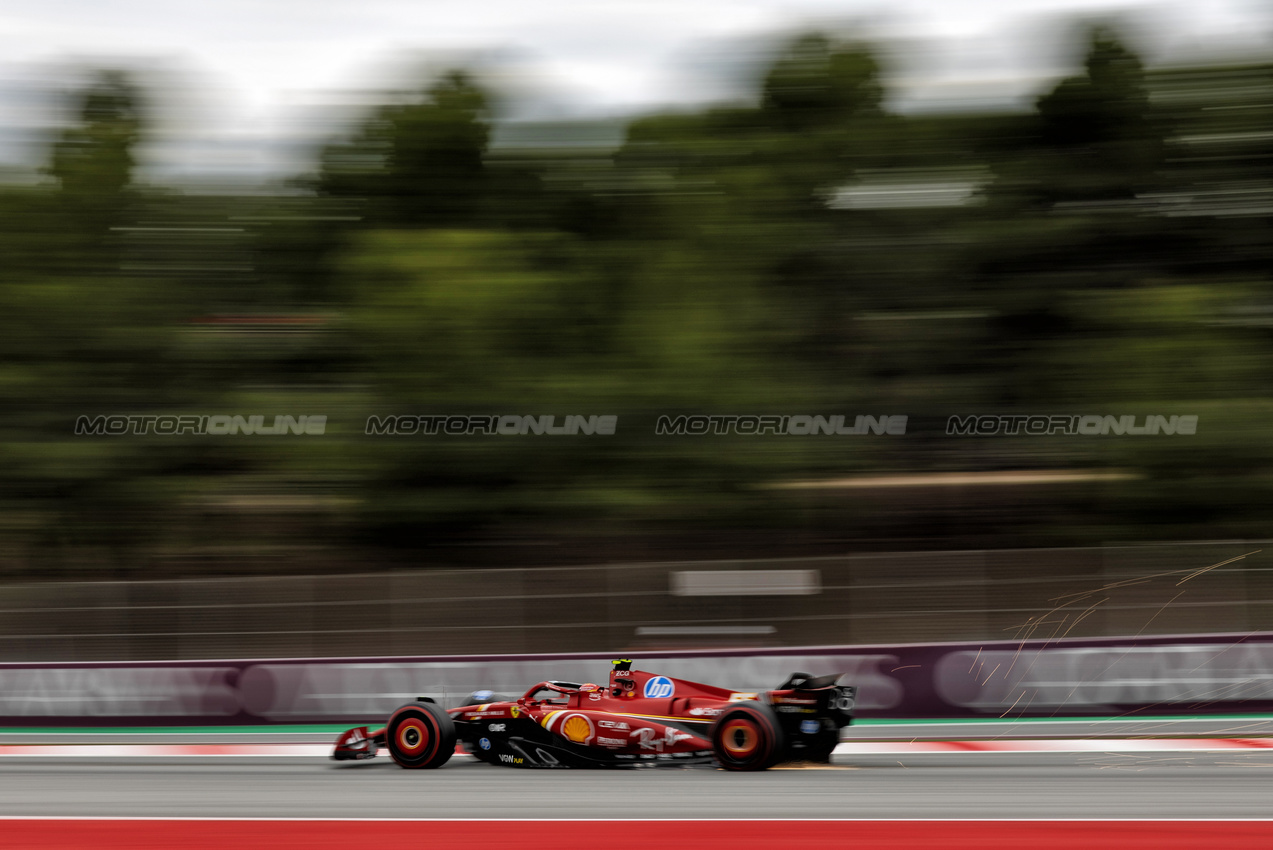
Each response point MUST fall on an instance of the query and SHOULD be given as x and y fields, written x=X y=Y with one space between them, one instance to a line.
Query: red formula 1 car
x=638 y=718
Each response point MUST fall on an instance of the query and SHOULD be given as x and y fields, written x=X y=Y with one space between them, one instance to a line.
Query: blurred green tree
x=815 y=81
x=1097 y=126
x=420 y=163
x=708 y=266
x=93 y=160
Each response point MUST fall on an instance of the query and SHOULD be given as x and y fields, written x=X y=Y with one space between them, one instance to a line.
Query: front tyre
x=420 y=735
x=748 y=737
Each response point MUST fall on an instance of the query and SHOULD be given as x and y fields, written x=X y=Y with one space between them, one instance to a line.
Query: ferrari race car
x=637 y=719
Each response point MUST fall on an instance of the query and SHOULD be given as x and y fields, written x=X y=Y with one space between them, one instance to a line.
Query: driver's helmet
x=480 y=697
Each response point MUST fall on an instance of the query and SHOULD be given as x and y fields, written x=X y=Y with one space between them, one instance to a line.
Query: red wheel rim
x=412 y=737
x=740 y=738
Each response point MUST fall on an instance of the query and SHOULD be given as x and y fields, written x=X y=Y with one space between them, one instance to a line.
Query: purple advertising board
x=1162 y=675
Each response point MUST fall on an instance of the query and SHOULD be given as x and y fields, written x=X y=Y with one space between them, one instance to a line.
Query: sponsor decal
x=496 y=727
x=507 y=759
x=705 y=712
x=617 y=725
x=659 y=687
x=740 y=697
x=485 y=743
x=810 y=727
x=791 y=709
x=795 y=700
x=644 y=736
x=648 y=738
x=589 y=688
x=611 y=742
x=577 y=729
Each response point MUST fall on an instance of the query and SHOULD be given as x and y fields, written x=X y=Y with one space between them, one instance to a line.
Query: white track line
x=258 y=819
x=1054 y=745
x=162 y=750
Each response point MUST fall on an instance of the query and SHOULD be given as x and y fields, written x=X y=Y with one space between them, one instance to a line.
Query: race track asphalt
x=956 y=785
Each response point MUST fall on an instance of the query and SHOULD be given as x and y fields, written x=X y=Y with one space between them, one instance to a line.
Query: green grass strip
x=306 y=728
x=1149 y=718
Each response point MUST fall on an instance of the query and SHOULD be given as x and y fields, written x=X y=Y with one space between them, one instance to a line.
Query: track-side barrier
x=1173 y=675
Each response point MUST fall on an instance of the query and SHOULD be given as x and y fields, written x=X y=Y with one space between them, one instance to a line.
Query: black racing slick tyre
x=420 y=735
x=748 y=737
x=820 y=749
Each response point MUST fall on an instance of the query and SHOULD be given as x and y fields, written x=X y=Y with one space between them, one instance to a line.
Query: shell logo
x=577 y=728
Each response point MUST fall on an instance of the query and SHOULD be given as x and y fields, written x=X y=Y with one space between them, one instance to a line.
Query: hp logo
x=660 y=687
x=485 y=743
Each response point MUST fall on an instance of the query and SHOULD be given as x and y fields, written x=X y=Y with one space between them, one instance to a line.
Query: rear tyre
x=420 y=735
x=820 y=748
x=748 y=737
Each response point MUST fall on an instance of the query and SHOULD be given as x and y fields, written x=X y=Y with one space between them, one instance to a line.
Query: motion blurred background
x=639 y=210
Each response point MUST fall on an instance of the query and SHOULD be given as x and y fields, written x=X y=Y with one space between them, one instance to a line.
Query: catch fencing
x=1131 y=630
x=895 y=598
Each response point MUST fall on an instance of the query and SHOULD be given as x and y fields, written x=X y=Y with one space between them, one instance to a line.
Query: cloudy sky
x=242 y=83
